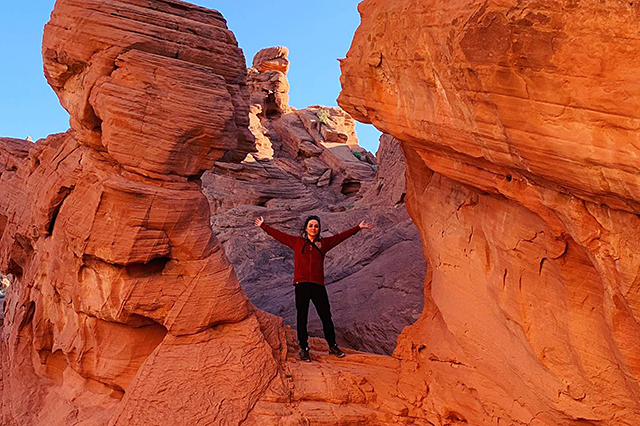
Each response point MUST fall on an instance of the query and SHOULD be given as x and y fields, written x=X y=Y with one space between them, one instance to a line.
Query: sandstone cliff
x=120 y=283
x=521 y=176
x=519 y=121
x=124 y=309
x=309 y=162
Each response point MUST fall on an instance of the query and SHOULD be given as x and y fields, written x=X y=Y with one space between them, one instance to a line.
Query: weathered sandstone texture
x=12 y=153
x=520 y=124
x=124 y=309
x=309 y=162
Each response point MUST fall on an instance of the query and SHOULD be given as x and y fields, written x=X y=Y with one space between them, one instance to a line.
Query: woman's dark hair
x=303 y=232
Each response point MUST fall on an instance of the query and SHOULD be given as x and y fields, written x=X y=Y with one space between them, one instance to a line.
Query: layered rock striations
x=123 y=308
x=309 y=162
x=124 y=305
x=519 y=124
x=12 y=153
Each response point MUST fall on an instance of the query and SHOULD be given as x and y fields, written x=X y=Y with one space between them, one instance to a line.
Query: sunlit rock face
x=307 y=162
x=122 y=308
x=124 y=305
x=519 y=123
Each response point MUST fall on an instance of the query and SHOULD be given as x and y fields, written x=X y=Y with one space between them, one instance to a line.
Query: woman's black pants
x=316 y=293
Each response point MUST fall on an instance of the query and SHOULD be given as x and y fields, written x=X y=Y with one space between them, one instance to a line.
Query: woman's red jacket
x=308 y=257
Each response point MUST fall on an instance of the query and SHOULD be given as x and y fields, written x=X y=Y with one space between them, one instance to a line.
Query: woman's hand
x=365 y=225
x=259 y=221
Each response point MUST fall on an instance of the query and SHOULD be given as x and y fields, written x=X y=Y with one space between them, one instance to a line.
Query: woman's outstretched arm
x=286 y=239
x=330 y=242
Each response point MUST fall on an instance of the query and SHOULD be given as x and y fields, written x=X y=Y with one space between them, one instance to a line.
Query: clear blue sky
x=316 y=33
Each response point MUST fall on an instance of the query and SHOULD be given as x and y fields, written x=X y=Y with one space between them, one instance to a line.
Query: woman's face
x=313 y=228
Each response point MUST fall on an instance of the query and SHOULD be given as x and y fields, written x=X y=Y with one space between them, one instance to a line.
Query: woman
x=309 y=251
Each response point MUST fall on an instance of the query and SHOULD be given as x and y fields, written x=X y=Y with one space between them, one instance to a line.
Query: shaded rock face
x=306 y=164
x=522 y=179
x=123 y=297
x=12 y=153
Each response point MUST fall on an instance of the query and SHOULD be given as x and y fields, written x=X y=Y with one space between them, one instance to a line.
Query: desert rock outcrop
x=123 y=309
x=309 y=162
x=519 y=122
x=124 y=304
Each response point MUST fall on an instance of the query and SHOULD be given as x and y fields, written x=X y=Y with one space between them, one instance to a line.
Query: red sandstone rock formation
x=519 y=121
x=125 y=310
x=305 y=165
x=125 y=306
x=12 y=152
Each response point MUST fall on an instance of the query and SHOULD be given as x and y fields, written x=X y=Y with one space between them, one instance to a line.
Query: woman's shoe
x=335 y=350
x=304 y=355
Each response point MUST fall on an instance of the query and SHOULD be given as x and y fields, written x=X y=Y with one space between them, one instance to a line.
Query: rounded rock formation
x=519 y=123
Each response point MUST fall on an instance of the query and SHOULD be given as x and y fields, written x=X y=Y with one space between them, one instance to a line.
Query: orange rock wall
x=124 y=305
x=123 y=308
x=521 y=176
x=519 y=124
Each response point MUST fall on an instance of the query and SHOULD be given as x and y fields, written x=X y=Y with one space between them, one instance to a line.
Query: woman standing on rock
x=308 y=276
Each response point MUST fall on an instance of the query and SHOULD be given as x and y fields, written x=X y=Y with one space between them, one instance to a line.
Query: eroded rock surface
x=519 y=122
x=123 y=296
x=123 y=309
x=309 y=162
